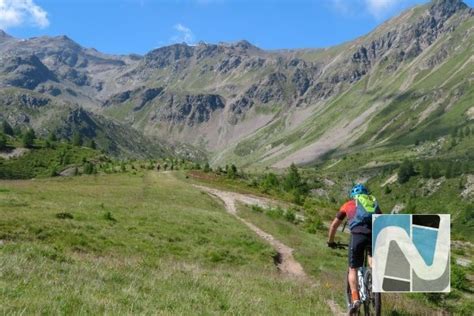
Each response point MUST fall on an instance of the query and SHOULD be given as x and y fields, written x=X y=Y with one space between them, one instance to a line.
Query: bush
x=53 y=171
x=313 y=223
x=270 y=181
x=257 y=209
x=88 y=168
x=458 y=278
x=64 y=215
x=109 y=217
x=275 y=212
x=290 y=215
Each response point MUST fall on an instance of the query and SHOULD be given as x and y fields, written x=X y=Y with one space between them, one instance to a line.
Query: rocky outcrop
x=189 y=109
x=25 y=71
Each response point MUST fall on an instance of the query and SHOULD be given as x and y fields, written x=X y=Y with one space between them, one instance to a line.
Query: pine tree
x=435 y=171
x=77 y=139
x=29 y=138
x=7 y=129
x=231 y=171
x=449 y=172
x=467 y=131
x=3 y=141
x=207 y=168
x=292 y=179
x=426 y=169
x=52 y=137
x=91 y=144
x=405 y=171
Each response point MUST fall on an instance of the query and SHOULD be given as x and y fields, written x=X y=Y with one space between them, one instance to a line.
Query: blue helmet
x=358 y=189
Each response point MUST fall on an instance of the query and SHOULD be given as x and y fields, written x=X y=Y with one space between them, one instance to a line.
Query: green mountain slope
x=407 y=81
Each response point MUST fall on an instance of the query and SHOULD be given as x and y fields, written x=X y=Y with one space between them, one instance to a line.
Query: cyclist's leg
x=356 y=259
x=353 y=283
x=369 y=250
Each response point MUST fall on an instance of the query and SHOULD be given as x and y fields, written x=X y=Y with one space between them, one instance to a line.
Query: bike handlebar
x=338 y=245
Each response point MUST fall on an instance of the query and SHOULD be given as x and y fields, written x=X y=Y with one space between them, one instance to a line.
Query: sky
x=138 y=26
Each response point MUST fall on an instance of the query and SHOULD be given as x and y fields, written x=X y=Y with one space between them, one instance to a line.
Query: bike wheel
x=373 y=303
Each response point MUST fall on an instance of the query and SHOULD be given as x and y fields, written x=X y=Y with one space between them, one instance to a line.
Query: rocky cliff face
x=218 y=94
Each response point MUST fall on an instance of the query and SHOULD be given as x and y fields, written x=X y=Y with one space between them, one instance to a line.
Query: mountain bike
x=371 y=301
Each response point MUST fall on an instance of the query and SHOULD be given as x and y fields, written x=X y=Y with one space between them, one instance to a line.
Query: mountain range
x=409 y=80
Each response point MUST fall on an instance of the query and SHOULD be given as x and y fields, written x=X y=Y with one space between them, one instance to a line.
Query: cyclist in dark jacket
x=359 y=210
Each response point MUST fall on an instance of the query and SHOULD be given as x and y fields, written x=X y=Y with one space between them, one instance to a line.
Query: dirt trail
x=15 y=153
x=286 y=263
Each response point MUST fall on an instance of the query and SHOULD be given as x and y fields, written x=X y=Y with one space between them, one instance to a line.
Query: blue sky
x=137 y=26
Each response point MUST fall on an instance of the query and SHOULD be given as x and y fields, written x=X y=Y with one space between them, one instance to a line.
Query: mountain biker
x=359 y=210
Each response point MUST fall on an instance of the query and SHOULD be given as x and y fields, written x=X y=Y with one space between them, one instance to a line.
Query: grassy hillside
x=308 y=236
x=144 y=243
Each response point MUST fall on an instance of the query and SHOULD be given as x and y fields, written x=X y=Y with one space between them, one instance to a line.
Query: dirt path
x=15 y=153
x=286 y=263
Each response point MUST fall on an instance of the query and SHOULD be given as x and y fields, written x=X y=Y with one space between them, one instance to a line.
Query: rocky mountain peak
x=446 y=8
x=4 y=36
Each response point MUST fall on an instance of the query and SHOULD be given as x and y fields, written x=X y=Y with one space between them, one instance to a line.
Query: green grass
x=147 y=243
x=325 y=266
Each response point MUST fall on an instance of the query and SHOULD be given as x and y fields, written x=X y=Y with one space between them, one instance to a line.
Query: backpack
x=366 y=205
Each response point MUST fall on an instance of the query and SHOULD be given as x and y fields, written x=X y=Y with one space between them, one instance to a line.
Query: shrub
x=313 y=223
x=109 y=217
x=270 y=181
x=275 y=212
x=88 y=168
x=458 y=278
x=53 y=172
x=64 y=215
x=257 y=209
x=290 y=215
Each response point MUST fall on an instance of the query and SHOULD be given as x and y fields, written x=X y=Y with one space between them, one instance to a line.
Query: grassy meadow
x=127 y=244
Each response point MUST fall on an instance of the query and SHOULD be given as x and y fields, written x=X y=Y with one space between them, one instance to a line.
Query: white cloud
x=22 y=12
x=341 y=6
x=379 y=8
x=185 y=35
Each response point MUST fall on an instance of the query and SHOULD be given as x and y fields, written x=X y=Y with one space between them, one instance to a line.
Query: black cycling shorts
x=357 y=246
